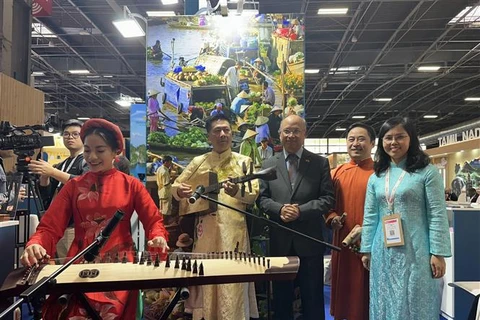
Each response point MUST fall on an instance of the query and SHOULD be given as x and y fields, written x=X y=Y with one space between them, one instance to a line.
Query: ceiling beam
x=125 y=62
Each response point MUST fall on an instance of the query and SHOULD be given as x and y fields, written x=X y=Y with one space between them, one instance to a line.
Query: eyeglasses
x=288 y=132
x=398 y=138
x=74 y=135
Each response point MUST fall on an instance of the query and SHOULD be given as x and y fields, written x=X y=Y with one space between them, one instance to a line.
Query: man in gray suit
x=297 y=199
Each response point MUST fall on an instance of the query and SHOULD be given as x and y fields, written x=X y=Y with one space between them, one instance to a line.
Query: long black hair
x=416 y=158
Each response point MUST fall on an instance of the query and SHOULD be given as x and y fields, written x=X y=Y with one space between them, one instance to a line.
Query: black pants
x=310 y=279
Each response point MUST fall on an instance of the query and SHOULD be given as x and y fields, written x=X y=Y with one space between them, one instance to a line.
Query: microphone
x=197 y=194
x=102 y=238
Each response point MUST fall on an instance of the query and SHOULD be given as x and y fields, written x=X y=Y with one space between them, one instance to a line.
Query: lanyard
x=391 y=196
x=68 y=168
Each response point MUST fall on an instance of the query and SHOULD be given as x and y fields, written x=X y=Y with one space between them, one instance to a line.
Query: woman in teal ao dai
x=405 y=281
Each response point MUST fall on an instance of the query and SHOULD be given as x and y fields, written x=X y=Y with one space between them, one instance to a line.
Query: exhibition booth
x=191 y=82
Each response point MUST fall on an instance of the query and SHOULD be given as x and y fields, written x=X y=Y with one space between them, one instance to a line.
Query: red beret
x=106 y=125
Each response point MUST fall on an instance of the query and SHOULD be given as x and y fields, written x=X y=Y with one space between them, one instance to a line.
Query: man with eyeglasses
x=53 y=177
x=297 y=199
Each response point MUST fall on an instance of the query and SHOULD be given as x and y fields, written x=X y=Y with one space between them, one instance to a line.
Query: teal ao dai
x=401 y=282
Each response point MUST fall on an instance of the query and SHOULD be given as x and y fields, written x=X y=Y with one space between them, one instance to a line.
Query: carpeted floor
x=326 y=294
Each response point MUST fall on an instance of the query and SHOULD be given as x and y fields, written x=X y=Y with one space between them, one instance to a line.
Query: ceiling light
x=123 y=103
x=354 y=68
x=83 y=118
x=430 y=116
x=40 y=31
x=312 y=70
x=358 y=117
x=161 y=13
x=84 y=32
x=471 y=17
x=382 y=99
x=331 y=11
x=429 y=68
x=38 y=73
x=340 y=129
x=167 y=2
x=129 y=28
x=79 y=71
x=472 y=99
x=108 y=76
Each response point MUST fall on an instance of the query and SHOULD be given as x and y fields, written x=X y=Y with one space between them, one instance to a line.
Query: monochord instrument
x=202 y=206
x=150 y=272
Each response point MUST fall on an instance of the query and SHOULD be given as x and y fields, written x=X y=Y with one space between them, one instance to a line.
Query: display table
x=472 y=287
x=464 y=265
x=7 y=247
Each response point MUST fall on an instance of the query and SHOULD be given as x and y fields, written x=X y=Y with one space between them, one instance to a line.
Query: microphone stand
x=37 y=292
x=271 y=223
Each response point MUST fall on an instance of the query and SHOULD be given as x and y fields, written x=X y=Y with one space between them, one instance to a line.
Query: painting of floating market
x=251 y=68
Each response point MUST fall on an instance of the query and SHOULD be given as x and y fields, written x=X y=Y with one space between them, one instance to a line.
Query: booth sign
x=453 y=138
x=42 y=8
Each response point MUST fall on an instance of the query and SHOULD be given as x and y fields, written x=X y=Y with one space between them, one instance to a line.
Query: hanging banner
x=42 y=8
x=138 y=136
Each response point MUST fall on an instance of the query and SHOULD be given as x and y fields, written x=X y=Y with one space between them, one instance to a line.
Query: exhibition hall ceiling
x=366 y=60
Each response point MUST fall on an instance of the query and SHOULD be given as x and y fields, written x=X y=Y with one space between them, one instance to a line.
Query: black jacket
x=313 y=192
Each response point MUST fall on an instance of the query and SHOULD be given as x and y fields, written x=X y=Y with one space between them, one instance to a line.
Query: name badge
x=392 y=230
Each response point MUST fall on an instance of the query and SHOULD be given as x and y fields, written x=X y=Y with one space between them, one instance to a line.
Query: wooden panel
x=21 y=105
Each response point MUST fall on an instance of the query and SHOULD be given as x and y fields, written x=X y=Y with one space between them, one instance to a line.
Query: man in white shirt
x=264 y=149
x=232 y=78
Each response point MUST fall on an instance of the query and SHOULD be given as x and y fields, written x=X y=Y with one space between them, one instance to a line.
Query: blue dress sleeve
x=370 y=217
x=438 y=230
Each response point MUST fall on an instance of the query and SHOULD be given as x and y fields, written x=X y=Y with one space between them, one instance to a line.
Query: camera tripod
x=22 y=179
x=14 y=186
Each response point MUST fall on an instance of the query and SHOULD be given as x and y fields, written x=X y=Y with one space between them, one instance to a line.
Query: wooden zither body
x=150 y=273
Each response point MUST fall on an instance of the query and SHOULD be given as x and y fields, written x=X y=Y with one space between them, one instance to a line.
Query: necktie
x=292 y=167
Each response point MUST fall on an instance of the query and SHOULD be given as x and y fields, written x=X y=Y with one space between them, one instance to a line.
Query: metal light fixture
x=332 y=11
x=429 y=68
x=129 y=26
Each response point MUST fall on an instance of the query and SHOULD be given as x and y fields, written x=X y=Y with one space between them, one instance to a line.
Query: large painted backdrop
x=188 y=61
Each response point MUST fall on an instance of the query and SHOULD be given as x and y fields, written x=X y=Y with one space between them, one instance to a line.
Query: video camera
x=23 y=141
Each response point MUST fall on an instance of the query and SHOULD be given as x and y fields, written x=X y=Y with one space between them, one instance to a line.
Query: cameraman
x=52 y=178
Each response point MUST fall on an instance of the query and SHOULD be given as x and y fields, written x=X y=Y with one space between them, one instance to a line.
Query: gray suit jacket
x=313 y=191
